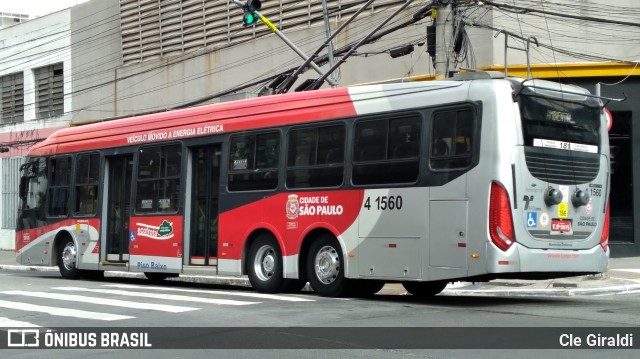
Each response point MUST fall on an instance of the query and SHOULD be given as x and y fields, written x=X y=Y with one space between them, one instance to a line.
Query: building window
x=387 y=151
x=12 y=98
x=49 y=91
x=10 y=181
x=159 y=179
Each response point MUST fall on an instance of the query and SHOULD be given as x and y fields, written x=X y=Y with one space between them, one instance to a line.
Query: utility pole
x=444 y=36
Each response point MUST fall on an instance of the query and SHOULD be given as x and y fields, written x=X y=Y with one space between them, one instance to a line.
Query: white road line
x=101 y=301
x=631 y=270
x=158 y=296
x=63 y=312
x=9 y=323
x=215 y=292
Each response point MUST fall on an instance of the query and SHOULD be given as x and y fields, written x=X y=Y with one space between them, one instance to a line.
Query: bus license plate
x=561 y=226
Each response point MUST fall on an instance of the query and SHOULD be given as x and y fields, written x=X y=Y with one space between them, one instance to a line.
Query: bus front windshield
x=545 y=118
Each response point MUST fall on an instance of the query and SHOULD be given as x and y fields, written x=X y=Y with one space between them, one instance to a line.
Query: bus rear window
x=554 y=119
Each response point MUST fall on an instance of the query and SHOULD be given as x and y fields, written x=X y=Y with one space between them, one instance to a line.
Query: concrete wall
x=171 y=81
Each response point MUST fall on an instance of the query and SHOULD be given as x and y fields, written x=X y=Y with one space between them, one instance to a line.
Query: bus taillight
x=500 y=221
x=604 y=239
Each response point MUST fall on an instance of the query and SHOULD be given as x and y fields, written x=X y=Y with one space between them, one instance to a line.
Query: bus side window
x=158 y=187
x=387 y=150
x=315 y=157
x=86 y=184
x=59 y=183
x=254 y=162
x=451 y=141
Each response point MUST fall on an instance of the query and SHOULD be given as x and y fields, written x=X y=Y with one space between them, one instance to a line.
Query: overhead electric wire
x=525 y=10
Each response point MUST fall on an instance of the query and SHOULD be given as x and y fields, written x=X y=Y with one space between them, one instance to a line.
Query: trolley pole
x=444 y=37
x=325 y=15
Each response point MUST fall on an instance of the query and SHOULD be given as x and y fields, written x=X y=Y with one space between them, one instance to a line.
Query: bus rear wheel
x=68 y=259
x=325 y=269
x=424 y=289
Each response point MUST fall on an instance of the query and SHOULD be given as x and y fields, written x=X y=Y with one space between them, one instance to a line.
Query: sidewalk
x=623 y=277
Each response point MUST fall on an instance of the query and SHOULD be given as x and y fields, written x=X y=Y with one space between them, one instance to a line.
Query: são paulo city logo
x=293 y=206
x=311 y=206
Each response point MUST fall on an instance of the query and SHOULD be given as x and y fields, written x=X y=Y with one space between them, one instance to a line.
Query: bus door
x=119 y=208
x=204 y=211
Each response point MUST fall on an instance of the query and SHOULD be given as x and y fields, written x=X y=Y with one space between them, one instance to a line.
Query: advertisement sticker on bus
x=156 y=236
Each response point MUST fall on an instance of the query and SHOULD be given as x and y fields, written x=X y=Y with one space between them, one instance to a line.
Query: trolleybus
x=348 y=189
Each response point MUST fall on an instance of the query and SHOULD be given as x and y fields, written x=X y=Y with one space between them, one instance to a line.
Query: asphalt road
x=45 y=300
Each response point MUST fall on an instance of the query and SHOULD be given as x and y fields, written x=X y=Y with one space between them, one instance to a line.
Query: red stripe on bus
x=232 y=116
x=290 y=217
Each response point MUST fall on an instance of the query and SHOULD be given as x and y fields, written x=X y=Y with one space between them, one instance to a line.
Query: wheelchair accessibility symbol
x=532 y=219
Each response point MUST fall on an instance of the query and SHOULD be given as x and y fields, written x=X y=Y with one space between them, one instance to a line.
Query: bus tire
x=264 y=267
x=325 y=269
x=68 y=259
x=159 y=277
x=366 y=287
x=424 y=289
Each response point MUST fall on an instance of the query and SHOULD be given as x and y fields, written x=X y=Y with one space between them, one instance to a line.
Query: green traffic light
x=249 y=18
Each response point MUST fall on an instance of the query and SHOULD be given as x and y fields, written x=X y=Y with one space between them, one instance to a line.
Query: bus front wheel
x=424 y=289
x=325 y=268
x=68 y=259
x=265 y=265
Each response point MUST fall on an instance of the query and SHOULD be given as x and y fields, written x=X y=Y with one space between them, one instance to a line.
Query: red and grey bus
x=348 y=189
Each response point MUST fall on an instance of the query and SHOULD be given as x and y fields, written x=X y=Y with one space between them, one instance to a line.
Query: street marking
x=62 y=312
x=215 y=292
x=9 y=323
x=155 y=296
x=631 y=270
x=101 y=301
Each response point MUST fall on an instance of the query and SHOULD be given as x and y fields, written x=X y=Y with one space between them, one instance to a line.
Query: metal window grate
x=10 y=181
x=156 y=28
x=12 y=98
x=49 y=91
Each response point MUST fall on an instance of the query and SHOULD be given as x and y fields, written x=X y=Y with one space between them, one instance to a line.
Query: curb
x=219 y=280
x=610 y=290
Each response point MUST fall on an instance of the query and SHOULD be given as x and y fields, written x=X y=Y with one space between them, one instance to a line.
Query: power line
x=524 y=10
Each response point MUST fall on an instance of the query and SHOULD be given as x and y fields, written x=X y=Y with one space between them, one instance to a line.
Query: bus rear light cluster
x=501 y=227
x=604 y=239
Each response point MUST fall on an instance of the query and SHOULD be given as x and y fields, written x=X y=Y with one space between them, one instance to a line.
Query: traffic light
x=250 y=7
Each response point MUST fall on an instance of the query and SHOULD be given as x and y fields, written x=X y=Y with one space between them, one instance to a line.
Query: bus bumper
x=520 y=259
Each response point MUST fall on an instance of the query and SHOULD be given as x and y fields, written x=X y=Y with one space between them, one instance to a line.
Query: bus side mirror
x=22 y=191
